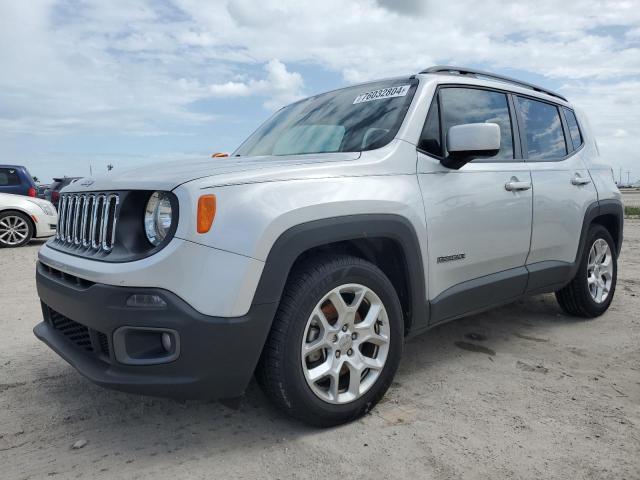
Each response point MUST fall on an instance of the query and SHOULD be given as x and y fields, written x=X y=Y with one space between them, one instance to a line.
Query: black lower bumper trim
x=217 y=357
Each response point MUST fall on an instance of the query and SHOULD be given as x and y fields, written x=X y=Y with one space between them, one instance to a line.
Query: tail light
x=31 y=192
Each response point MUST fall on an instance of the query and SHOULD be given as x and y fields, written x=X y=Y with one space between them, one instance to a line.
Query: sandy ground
x=518 y=392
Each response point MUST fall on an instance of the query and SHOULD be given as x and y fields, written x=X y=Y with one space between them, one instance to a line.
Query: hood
x=168 y=175
x=10 y=199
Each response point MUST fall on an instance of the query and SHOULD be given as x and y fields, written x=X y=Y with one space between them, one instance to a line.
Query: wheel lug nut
x=354 y=336
x=344 y=328
x=349 y=352
x=337 y=353
x=335 y=338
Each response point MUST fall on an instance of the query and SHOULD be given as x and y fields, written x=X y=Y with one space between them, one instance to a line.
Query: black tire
x=30 y=229
x=575 y=298
x=280 y=371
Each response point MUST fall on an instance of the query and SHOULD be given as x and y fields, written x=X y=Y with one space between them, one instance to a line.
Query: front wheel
x=335 y=343
x=591 y=291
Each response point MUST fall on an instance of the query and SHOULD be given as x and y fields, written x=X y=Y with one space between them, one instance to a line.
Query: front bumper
x=46 y=225
x=217 y=355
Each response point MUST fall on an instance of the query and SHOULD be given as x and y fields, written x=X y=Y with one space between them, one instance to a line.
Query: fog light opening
x=145 y=345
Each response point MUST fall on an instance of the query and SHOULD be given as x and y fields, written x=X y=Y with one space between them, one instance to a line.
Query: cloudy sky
x=128 y=82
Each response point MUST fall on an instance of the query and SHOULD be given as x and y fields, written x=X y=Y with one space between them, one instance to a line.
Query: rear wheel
x=591 y=291
x=335 y=343
x=15 y=229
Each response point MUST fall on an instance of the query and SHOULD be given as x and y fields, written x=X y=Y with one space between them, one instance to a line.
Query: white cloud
x=140 y=65
x=280 y=86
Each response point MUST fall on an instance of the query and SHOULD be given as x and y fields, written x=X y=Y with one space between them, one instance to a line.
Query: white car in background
x=23 y=218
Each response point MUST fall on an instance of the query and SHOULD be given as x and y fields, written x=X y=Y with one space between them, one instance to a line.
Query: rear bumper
x=217 y=355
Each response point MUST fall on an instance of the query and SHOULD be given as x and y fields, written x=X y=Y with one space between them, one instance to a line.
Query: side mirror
x=469 y=141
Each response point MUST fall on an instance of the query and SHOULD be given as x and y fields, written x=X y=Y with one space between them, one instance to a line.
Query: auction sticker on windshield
x=389 y=92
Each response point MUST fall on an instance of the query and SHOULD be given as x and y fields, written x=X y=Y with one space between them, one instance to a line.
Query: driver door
x=478 y=226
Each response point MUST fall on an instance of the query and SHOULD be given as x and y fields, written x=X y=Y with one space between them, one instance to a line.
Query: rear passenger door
x=478 y=229
x=562 y=188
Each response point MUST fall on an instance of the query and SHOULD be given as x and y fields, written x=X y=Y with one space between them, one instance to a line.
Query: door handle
x=578 y=180
x=516 y=186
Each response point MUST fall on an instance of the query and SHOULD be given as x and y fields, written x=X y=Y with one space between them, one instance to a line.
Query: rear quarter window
x=574 y=128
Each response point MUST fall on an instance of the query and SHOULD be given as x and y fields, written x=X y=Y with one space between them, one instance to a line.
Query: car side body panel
x=559 y=207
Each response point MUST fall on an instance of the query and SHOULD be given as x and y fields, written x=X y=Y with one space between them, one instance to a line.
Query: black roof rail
x=480 y=73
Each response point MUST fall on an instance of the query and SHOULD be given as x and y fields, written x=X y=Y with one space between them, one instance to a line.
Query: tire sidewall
x=371 y=277
x=29 y=226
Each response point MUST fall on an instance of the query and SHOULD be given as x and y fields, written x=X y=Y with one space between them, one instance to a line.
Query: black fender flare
x=300 y=238
x=596 y=209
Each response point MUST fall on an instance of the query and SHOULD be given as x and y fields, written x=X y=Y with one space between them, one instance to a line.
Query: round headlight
x=157 y=217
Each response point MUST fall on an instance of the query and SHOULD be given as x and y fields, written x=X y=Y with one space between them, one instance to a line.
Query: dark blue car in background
x=16 y=179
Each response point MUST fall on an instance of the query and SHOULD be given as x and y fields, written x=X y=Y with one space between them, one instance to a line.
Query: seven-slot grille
x=88 y=220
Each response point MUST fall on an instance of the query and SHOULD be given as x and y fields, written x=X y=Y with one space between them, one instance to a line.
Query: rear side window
x=543 y=130
x=8 y=177
x=470 y=105
x=574 y=129
x=430 y=137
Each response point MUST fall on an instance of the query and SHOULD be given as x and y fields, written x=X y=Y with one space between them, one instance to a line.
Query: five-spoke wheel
x=345 y=343
x=591 y=290
x=336 y=341
x=600 y=270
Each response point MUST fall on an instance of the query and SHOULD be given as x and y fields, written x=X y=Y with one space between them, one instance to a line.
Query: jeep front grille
x=88 y=220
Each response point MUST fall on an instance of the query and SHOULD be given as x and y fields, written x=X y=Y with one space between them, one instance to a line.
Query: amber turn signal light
x=206 y=212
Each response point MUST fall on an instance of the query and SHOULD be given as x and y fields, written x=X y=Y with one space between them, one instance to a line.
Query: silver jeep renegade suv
x=346 y=223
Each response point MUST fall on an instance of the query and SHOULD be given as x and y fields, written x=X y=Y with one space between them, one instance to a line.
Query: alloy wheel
x=13 y=230
x=600 y=270
x=345 y=344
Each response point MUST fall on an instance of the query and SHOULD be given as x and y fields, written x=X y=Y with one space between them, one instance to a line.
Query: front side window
x=574 y=129
x=543 y=130
x=8 y=177
x=352 y=119
x=472 y=105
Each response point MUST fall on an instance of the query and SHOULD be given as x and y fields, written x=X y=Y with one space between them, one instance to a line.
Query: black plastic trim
x=548 y=276
x=479 y=294
x=217 y=357
x=295 y=241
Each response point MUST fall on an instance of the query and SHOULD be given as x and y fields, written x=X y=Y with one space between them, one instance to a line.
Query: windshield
x=352 y=119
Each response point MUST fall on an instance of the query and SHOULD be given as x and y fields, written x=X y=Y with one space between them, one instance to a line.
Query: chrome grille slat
x=69 y=225
x=60 y=230
x=109 y=227
x=88 y=220
x=77 y=219
x=94 y=220
x=83 y=223
x=96 y=238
